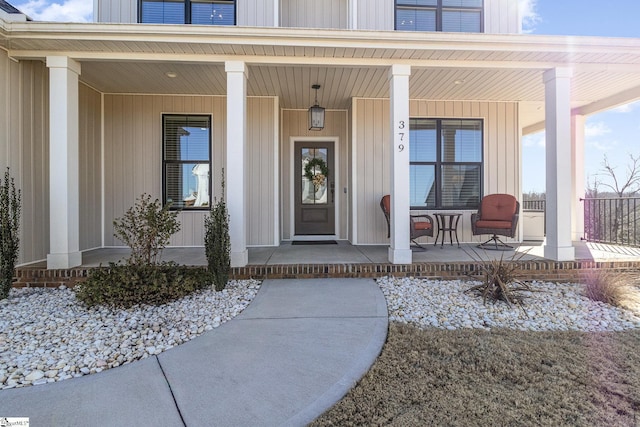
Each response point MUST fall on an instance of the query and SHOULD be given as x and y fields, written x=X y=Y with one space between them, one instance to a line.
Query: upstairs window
x=463 y=16
x=199 y=12
x=187 y=161
x=445 y=163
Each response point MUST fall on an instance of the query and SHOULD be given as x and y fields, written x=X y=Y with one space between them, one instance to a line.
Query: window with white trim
x=186 y=161
x=464 y=16
x=199 y=12
x=445 y=163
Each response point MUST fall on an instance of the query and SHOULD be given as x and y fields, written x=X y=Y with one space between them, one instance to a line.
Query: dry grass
x=614 y=288
x=497 y=378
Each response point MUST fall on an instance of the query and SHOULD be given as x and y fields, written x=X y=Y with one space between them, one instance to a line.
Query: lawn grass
x=497 y=378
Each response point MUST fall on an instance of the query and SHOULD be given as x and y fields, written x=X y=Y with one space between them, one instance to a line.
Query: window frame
x=165 y=162
x=187 y=10
x=439 y=163
x=439 y=8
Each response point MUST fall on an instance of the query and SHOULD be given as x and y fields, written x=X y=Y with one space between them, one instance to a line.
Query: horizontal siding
x=295 y=124
x=90 y=128
x=371 y=123
x=117 y=11
x=314 y=13
x=133 y=157
x=256 y=13
x=375 y=14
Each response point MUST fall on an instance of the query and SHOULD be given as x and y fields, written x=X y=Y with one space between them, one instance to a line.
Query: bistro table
x=447 y=221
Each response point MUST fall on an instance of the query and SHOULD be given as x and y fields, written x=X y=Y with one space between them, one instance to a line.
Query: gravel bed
x=553 y=306
x=46 y=335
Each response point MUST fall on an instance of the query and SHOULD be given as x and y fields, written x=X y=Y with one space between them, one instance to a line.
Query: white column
x=236 y=156
x=577 y=167
x=399 y=251
x=559 y=175
x=64 y=194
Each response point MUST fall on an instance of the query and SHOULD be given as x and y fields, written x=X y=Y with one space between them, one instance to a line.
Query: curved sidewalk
x=293 y=353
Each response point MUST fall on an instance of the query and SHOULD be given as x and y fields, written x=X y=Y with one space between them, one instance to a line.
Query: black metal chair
x=497 y=215
x=420 y=225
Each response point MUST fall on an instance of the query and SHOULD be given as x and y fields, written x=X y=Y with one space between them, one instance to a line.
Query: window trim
x=187 y=10
x=439 y=163
x=165 y=162
x=439 y=8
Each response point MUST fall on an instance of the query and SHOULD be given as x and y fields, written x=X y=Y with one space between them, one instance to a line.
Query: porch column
x=559 y=174
x=399 y=251
x=64 y=193
x=236 y=154
x=577 y=167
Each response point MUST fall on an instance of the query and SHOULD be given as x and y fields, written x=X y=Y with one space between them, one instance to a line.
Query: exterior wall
x=90 y=137
x=133 y=159
x=375 y=14
x=24 y=147
x=118 y=11
x=314 y=14
x=256 y=13
x=371 y=150
x=294 y=123
x=502 y=17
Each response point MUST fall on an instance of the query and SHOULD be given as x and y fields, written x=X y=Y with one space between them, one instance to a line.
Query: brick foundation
x=570 y=271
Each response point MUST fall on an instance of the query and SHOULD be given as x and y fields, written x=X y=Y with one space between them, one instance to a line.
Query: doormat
x=314 y=242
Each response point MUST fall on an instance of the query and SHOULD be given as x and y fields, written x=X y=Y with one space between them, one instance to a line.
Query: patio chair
x=497 y=215
x=420 y=225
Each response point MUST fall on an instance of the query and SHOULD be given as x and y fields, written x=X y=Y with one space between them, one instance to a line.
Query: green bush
x=146 y=228
x=217 y=243
x=9 y=232
x=126 y=285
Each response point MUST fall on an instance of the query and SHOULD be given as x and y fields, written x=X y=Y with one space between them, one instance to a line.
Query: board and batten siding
x=256 y=13
x=133 y=159
x=295 y=123
x=371 y=176
x=314 y=13
x=116 y=11
x=90 y=137
x=502 y=17
x=375 y=15
x=24 y=148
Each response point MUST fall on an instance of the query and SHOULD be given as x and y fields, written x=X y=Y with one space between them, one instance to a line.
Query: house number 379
x=401 y=127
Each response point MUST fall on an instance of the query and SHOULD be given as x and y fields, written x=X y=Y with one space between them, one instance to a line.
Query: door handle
x=333 y=189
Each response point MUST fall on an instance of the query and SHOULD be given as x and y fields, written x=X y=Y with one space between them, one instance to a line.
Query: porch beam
x=399 y=251
x=64 y=193
x=237 y=74
x=577 y=169
x=559 y=177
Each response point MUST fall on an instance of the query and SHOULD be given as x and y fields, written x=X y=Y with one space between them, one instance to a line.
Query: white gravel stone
x=551 y=306
x=50 y=336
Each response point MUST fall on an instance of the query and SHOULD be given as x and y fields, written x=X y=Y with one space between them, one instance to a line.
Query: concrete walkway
x=293 y=353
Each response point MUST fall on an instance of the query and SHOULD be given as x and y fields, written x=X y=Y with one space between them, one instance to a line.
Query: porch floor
x=345 y=253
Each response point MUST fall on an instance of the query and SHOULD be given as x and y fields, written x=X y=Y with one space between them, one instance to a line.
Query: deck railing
x=612 y=220
x=534 y=205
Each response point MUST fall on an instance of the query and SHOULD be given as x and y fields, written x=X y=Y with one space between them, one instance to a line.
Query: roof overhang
x=445 y=66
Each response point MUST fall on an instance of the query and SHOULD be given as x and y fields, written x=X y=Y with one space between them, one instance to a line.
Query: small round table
x=447 y=221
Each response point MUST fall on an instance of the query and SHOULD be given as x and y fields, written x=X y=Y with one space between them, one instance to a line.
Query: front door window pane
x=314 y=191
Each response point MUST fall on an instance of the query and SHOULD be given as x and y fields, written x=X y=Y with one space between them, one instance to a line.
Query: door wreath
x=310 y=172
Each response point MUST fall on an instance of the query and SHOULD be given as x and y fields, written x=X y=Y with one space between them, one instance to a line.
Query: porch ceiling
x=285 y=62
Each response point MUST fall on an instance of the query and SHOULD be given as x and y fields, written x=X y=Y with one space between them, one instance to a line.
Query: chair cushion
x=386 y=202
x=422 y=225
x=498 y=207
x=493 y=224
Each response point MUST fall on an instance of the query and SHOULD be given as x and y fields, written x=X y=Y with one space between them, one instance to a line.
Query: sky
x=614 y=133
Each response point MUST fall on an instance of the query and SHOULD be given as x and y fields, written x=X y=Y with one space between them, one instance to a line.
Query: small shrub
x=9 y=232
x=126 y=285
x=217 y=243
x=614 y=288
x=146 y=228
x=500 y=280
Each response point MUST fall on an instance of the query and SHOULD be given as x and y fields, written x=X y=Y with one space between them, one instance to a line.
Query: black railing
x=534 y=205
x=612 y=220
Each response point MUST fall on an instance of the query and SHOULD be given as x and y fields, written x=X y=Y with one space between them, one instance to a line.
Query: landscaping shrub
x=9 y=232
x=130 y=284
x=146 y=228
x=500 y=281
x=217 y=243
x=614 y=288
